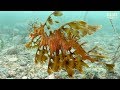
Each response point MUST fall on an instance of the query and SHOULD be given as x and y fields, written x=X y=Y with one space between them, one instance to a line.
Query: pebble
x=13 y=59
x=50 y=77
x=11 y=73
x=9 y=78
x=24 y=77
x=3 y=72
x=23 y=63
x=0 y=62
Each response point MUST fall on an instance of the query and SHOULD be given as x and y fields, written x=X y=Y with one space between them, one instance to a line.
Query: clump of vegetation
x=62 y=47
x=1 y=44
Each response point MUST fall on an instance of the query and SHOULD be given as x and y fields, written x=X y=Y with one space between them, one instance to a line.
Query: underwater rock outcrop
x=61 y=47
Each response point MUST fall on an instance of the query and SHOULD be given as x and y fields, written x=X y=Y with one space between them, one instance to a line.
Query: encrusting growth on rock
x=61 y=47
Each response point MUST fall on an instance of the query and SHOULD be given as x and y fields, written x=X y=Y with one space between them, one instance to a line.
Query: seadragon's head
x=35 y=36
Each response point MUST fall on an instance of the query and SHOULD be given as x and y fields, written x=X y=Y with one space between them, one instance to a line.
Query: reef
x=62 y=48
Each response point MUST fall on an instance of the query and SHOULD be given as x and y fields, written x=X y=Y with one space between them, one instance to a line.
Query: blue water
x=11 y=18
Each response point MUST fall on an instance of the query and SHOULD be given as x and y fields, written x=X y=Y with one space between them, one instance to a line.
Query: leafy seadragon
x=58 y=45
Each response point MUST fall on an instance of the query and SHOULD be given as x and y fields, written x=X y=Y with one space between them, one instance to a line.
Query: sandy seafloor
x=17 y=62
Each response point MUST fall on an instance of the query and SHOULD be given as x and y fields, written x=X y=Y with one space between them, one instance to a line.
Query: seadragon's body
x=56 y=47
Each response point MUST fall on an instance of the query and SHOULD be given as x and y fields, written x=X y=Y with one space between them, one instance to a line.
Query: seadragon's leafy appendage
x=57 y=46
